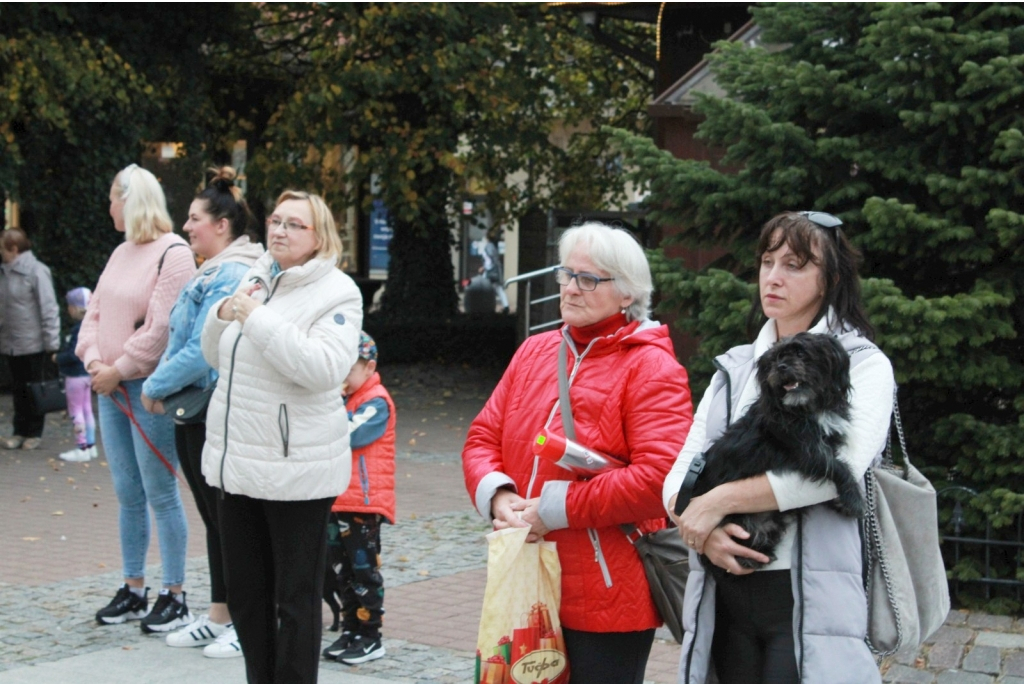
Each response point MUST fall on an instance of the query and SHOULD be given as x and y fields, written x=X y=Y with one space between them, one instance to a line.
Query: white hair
x=617 y=252
x=145 y=207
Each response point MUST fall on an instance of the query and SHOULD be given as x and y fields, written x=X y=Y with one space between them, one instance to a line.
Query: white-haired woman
x=277 y=439
x=629 y=398
x=120 y=342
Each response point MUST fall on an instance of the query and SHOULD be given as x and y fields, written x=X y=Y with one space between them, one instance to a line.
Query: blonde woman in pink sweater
x=123 y=335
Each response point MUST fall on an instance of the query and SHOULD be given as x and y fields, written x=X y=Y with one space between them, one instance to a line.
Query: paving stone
x=983 y=659
x=1012 y=679
x=904 y=674
x=1000 y=640
x=1013 y=664
x=957 y=636
x=962 y=677
x=989 y=621
x=956 y=618
x=945 y=655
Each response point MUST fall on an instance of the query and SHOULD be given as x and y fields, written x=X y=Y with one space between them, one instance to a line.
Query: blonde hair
x=617 y=252
x=329 y=242
x=145 y=207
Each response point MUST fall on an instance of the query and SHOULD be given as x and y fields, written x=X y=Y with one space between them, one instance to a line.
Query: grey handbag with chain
x=905 y=578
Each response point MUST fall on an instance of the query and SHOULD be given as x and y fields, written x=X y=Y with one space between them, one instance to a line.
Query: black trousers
x=607 y=657
x=25 y=369
x=274 y=557
x=189 y=439
x=753 y=640
x=359 y=582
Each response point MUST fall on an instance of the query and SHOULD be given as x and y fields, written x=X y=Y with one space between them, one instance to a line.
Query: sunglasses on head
x=823 y=219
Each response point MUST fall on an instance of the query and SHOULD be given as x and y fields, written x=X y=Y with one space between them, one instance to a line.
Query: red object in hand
x=571 y=455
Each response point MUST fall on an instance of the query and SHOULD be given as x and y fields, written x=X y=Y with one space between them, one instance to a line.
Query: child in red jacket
x=357 y=514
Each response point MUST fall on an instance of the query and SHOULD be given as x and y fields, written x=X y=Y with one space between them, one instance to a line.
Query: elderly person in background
x=631 y=400
x=277 y=434
x=120 y=342
x=29 y=330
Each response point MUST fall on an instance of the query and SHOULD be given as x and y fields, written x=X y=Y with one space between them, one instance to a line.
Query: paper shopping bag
x=520 y=638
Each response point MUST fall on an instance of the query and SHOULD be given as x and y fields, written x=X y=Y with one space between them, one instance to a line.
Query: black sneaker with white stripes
x=199 y=633
x=362 y=649
x=126 y=606
x=168 y=613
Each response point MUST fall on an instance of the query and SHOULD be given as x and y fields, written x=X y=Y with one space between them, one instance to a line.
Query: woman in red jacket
x=629 y=399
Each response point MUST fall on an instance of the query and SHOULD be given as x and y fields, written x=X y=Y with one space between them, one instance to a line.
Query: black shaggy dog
x=798 y=424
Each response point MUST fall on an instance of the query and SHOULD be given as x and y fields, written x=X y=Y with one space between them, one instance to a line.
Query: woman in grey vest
x=802 y=617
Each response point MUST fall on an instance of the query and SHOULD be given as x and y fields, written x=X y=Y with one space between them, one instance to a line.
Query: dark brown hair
x=224 y=201
x=838 y=263
x=15 y=238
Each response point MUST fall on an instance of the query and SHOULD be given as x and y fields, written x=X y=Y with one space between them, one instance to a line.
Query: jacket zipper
x=599 y=556
x=282 y=425
x=696 y=623
x=231 y=376
x=364 y=479
x=800 y=589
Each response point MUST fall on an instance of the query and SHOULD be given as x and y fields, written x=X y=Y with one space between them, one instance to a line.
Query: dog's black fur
x=797 y=424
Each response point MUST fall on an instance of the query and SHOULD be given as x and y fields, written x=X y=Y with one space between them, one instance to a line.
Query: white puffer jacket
x=276 y=428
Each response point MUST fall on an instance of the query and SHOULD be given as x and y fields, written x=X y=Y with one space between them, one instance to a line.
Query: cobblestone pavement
x=47 y=622
x=59 y=555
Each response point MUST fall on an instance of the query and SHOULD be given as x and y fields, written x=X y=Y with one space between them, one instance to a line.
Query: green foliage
x=905 y=120
x=434 y=101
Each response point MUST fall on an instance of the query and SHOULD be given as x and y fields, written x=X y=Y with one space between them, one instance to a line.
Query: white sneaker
x=92 y=452
x=200 y=632
x=77 y=454
x=225 y=646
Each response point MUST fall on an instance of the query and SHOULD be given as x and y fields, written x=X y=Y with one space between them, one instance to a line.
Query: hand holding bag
x=520 y=638
x=905 y=578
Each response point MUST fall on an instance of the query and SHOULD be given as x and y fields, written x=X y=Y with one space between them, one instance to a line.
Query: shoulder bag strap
x=160 y=264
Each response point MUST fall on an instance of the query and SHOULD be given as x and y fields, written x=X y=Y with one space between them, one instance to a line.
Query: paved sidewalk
x=60 y=560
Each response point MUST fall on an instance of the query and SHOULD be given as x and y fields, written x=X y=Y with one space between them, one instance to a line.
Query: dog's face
x=806 y=372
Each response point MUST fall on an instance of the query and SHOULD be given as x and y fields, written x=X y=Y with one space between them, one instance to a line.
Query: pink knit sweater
x=126 y=322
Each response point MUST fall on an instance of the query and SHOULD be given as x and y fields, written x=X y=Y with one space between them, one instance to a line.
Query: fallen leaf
x=42 y=477
x=424 y=572
x=30 y=539
x=403 y=558
x=70 y=479
x=57 y=513
x=95 y=487
x=25 y=498
x=102 y=565
x=95 y=504
x=413 y=441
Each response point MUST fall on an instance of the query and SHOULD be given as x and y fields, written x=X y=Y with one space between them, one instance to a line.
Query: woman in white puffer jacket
x=277 y=433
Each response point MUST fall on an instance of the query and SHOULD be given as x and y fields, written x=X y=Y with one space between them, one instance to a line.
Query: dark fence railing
x=957 y=543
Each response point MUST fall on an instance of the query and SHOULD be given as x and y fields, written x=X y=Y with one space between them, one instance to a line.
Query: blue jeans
x=140 y=478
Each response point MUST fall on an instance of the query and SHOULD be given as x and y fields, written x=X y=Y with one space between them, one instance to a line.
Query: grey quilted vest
x=830 y=609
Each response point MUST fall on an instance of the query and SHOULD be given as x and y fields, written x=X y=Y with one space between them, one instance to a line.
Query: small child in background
x=77 y=382
x=357 y=514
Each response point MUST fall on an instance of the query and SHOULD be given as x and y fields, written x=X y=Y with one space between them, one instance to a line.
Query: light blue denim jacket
x=182 y=364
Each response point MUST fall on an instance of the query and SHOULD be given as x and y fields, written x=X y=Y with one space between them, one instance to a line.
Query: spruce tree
x=906 y=121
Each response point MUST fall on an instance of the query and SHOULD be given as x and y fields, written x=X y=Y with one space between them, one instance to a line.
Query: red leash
x=127 y=409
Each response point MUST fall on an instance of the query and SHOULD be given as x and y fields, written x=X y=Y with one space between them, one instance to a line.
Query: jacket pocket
x=282 y=424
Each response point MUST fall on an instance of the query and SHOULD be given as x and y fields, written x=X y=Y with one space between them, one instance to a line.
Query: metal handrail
x=529 y=277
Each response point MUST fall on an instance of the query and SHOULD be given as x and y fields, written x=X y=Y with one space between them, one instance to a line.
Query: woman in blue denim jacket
x=218 y=228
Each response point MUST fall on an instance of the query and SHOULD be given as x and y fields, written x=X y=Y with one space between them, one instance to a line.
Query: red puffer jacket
x=630 y=399
x=373 y=490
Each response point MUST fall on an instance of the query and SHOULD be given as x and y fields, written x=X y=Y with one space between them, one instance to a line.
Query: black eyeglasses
x=825 y=220
x=585 y=281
